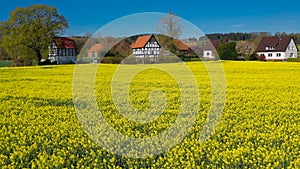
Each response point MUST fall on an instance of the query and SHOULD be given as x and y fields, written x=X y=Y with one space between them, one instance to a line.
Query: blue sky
x=209 y=16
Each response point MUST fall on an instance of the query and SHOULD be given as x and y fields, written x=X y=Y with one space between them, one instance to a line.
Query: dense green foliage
x=239 y=36
x=29 y=31
x=259 y=128
x=227 y=51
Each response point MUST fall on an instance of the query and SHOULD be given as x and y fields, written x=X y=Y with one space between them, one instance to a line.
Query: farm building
x=277 y=48
x=94 y=53
x=146 y=49
x=183 y=48
x=62 y=51
x=209 y=49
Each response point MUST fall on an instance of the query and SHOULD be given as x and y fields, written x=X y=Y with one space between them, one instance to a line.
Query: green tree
x=227 y=51
x=31 y=30
x=3 y=53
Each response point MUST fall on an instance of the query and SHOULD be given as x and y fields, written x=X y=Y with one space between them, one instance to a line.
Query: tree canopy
x=30 y=30
x=227 y=51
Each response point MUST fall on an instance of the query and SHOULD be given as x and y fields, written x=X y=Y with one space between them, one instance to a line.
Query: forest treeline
x=239 y=36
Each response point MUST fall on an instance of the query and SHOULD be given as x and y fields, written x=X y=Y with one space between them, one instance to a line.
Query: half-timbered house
x=146 y=49
x=62 y=51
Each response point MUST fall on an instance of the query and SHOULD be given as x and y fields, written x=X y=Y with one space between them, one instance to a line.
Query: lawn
x=259 y=128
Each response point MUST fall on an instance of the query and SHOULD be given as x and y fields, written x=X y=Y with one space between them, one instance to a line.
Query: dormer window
x=270 y=48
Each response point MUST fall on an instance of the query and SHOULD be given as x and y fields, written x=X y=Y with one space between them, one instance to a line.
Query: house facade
x=94 y=53
x=63 y=51
x=209 y=49
x=146 y=49
x=277 y=48
x=208 y=54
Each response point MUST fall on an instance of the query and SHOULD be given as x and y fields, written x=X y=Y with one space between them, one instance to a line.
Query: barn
x=182 y=47
x=63 y=51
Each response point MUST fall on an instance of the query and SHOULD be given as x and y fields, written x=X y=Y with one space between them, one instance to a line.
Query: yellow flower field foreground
x=259 y=128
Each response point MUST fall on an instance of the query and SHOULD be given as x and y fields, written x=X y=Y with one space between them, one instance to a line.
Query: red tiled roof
x=141 y=41
x=65 y=42
x=280 y=44
x=180 y=45
x=95 y=48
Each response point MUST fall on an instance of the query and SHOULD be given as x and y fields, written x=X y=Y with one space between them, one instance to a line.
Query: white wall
x=291 y=51
x=208 y=54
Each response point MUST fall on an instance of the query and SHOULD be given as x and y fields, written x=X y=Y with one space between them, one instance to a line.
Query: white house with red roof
x=146 y=48
x=63 y=51
x=277 y=48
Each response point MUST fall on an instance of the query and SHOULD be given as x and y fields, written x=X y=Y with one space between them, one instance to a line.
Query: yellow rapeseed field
x=259 y=128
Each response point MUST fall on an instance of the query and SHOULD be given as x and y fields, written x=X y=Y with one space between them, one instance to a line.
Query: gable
x=142 y=41
x=293 y=44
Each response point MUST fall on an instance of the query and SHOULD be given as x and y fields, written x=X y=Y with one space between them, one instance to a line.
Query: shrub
x=112 y=60
x=261 y=57
x=18 y=62
x=293 y=59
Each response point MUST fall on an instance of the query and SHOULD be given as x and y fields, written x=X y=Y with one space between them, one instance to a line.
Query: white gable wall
x=291 y=51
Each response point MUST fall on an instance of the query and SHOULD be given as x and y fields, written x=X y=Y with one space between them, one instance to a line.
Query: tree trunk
x=39 y=56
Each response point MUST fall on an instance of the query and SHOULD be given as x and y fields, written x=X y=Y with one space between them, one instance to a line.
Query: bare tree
x=170 y=25
x=246 y=49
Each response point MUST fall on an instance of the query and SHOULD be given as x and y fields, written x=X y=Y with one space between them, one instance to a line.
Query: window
x=278 y=54
x=270 y=54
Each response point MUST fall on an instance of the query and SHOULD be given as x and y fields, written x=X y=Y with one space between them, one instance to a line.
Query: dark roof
x=65 y=42
x=274 y=44
x=142 y=41
x=95 y=48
